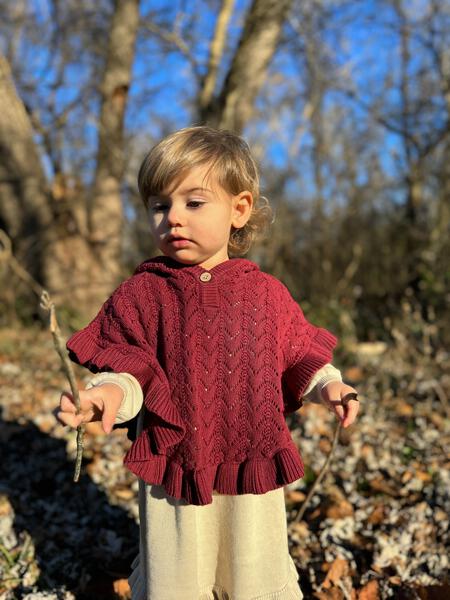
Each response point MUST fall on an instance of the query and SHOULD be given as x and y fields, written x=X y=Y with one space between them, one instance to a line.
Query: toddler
x=201 y=356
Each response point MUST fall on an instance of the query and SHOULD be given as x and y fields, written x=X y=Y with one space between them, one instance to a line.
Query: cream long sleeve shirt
x=133 y=397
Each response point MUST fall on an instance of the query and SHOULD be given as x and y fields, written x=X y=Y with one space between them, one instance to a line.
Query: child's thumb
x=340 y=411
x=108 y=417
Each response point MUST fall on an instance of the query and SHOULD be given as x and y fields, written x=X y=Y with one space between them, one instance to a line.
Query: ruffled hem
x=168 y=428
x=291 y=591
x=253 y=476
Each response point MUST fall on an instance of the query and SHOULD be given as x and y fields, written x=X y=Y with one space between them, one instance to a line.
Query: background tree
x=70 y=232
x=83 y=260
x=346 y=108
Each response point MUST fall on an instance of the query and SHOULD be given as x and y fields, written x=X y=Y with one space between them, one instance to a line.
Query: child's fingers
x=349 y=398
x=93 y=407
x=72 y=420
x=67 y=403
x=66 y=413
x=87 y=401
x=107 y=399
x=109 y=416
x=352 y=409
x=339 y=410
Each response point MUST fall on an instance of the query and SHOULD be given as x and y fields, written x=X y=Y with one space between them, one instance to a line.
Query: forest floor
x=376 y=528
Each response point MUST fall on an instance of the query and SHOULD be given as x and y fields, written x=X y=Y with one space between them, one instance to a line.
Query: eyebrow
x=196 y=189
x=155 y=198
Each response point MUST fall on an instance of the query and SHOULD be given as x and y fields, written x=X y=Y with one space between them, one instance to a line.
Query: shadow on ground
x=82 y=543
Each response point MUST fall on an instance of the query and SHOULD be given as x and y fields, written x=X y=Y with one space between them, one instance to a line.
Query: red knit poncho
x=222 y=356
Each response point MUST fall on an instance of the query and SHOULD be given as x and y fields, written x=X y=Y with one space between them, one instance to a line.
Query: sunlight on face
x=200 y=213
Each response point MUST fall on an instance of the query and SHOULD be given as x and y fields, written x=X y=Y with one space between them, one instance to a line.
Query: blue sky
x=358 y=37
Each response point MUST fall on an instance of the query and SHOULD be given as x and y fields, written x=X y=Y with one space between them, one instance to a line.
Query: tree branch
x=215 y=53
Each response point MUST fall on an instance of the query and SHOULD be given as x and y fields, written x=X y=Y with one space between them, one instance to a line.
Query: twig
x=7 y=256
x=174 y=38
x=319 y=477
x=440 y=393
x=25 y=547
x=47 y=304
x=7 y=555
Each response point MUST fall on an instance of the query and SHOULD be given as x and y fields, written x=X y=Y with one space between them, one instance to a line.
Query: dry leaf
x=122 y=588
x=423 y=476
x=403 y=409
x=353 y=374
x=336 y=506
x=333 y=593
x=124 y=493
x=370 y=591
x=325 y=445
x=377 y=515
x=339 y=568
x=301 y=528
x=379 y=484
x=339 y=510
x=407 y=476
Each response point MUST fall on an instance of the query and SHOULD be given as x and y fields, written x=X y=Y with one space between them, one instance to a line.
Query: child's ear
x=242 y=208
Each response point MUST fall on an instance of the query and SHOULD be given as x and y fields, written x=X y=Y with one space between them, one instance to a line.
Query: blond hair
x=231 y=163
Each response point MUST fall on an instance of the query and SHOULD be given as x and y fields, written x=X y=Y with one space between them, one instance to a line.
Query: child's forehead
x=197 y=178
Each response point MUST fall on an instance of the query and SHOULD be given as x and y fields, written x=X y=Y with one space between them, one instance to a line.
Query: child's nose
x=174 y=216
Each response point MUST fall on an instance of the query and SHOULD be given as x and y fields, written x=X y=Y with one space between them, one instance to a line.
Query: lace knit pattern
x=222 y=356
x=133 y=398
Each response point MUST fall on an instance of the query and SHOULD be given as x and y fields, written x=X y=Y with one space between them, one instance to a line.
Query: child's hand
x=332 y=395
x=99 y=403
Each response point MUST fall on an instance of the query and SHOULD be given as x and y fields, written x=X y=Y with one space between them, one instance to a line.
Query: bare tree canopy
x=346 y=108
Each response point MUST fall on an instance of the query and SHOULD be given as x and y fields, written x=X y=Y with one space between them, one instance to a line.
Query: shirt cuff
x=133 y=396
x=323 y=376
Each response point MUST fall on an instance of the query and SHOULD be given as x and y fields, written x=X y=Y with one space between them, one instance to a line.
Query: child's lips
x=180 y=242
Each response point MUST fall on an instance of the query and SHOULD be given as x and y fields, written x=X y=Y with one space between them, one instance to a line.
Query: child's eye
x=195 y=203
x=158 y=207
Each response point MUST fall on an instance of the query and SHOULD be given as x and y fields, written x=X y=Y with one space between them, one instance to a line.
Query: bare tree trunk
x=215 y=55
x=234 y=106
x=105 y=216
x=316 y=93
x=25 y=210
x=413 y=176
x=68 y=239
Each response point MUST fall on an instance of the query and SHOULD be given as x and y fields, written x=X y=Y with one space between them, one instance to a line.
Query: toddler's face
x=198 y=210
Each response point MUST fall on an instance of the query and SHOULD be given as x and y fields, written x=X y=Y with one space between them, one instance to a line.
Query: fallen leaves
x=378 y=523
x=384 y=505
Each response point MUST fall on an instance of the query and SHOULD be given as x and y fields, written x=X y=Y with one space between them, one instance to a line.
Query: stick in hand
x=47 y=304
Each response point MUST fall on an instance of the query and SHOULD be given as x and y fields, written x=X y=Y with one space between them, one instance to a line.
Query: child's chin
x=181 y=257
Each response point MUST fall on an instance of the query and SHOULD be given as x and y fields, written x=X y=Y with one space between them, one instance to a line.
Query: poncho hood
x=169 y=267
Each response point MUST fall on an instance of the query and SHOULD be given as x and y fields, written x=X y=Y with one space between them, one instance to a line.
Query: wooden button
x=205 y=276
